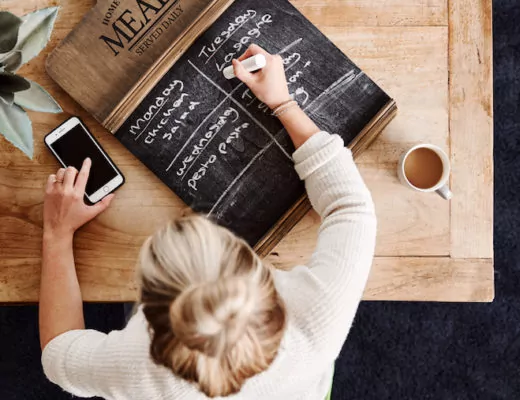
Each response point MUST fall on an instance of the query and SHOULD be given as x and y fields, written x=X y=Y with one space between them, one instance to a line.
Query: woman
x=214 y=321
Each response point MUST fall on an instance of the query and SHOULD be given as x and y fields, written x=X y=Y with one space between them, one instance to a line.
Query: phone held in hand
x=71 y=143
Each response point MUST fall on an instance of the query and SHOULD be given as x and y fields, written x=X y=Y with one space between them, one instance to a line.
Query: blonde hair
x=214 y=314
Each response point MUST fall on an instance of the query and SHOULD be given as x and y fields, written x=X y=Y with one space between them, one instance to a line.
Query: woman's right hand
x=269 y=84
x=64 y=210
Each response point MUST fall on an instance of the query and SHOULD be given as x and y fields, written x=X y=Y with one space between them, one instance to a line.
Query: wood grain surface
x=101 y=75
x=375 y=13
x=471 y=125
x=403 y=45
x=410 y=64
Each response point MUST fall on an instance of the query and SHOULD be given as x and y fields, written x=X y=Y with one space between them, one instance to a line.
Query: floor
x=395 y=350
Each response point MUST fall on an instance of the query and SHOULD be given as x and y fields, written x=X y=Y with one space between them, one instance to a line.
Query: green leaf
x=9 y=26
x=37 y=99
x=12 y=61
x=16 y=127
x=35 y=32
x=10 y=83
x=7 y=98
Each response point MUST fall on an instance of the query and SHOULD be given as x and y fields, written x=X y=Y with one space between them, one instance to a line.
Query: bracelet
x=284 y=107
x=280 y=113
x=281 y=105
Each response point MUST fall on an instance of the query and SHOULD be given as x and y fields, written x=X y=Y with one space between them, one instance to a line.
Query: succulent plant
x=21 y=39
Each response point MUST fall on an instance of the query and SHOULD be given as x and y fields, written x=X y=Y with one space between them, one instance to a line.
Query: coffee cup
x=426 y=168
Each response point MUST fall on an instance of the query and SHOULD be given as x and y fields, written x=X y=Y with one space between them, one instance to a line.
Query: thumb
x=102 y=205
x=241 y=73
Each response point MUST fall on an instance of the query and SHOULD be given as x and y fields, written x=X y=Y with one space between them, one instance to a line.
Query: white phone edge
x=64 y=128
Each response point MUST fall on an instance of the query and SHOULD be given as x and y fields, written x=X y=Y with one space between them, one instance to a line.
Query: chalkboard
x=218 y=147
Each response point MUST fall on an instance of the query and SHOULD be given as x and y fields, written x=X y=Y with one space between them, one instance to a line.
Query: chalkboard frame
x=178 y=48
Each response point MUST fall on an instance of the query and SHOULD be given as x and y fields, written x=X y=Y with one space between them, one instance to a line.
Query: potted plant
x=22 y=39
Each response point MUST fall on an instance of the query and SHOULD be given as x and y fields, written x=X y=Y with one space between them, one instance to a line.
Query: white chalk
x=251 y=64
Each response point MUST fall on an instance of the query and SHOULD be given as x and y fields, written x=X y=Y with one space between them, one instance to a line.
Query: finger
x=60 y=175
x=277 y=58
x=70 y=176
x=254 y=49
x=102 y=205
x=51 y=180
x=81 y=180
x=241 y=73
x=246 y=54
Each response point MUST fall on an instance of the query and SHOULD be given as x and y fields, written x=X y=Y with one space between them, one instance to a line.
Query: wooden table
x=433 y=56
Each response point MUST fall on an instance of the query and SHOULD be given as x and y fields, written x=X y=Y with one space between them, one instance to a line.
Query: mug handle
x=445 y=192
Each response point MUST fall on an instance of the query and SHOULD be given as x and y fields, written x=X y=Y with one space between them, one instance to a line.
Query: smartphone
x=71 y=143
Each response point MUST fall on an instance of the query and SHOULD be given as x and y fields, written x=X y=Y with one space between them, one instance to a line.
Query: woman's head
x=214 y=313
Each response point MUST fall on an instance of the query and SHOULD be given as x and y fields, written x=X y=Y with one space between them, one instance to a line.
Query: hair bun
x=212 y=317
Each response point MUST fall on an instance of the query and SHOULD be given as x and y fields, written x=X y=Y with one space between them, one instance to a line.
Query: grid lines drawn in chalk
x=273 y=137
x=341 y=84
x=201 y=125
x=285 y=49
x=250 y=188
x=258 y=123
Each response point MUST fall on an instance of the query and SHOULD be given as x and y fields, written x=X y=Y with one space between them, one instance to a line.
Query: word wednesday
x=131 y=22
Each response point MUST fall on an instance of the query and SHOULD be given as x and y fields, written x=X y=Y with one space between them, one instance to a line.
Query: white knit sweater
x=321 y=299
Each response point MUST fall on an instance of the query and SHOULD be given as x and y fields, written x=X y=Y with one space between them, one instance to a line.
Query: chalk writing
x=142 y=123
x=150 y=136
x=233 y=27
x=181 y=120
x=192 y=183
x=291 y=60
x=241 y=45
x=297 y=75
x=300 y=95
x=206 y=139
x=231 y=139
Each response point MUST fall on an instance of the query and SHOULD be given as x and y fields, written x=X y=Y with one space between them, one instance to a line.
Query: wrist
x=273 y=106
x=290 y=112
x=57 y=236
x=299 y=125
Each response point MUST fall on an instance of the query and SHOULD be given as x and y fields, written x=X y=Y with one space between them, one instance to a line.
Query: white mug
x=441 y=187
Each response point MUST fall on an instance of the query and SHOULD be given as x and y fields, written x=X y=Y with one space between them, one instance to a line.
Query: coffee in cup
x=426 y=168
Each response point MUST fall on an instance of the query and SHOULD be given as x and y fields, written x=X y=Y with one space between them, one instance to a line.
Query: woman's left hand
x=64 y=210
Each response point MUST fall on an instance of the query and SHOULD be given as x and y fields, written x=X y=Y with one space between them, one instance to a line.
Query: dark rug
x=409 y=351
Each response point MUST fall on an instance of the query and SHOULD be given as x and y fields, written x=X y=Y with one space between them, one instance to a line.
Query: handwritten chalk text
x=141 y=123
x=201 y=145
x=208 y=51
x=240 y=46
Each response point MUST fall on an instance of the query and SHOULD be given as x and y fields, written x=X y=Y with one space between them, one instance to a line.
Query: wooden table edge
x=435 y=279
x=471 y=128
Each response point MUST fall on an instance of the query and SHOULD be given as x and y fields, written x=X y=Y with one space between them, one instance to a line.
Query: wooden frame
x=125 y=107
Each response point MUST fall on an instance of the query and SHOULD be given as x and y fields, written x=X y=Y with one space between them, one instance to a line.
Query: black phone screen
x=76 y=145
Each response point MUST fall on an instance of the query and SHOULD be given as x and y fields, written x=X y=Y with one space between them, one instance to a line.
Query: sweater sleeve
x=68 y=358
x=87 y=363
x=341 y=262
